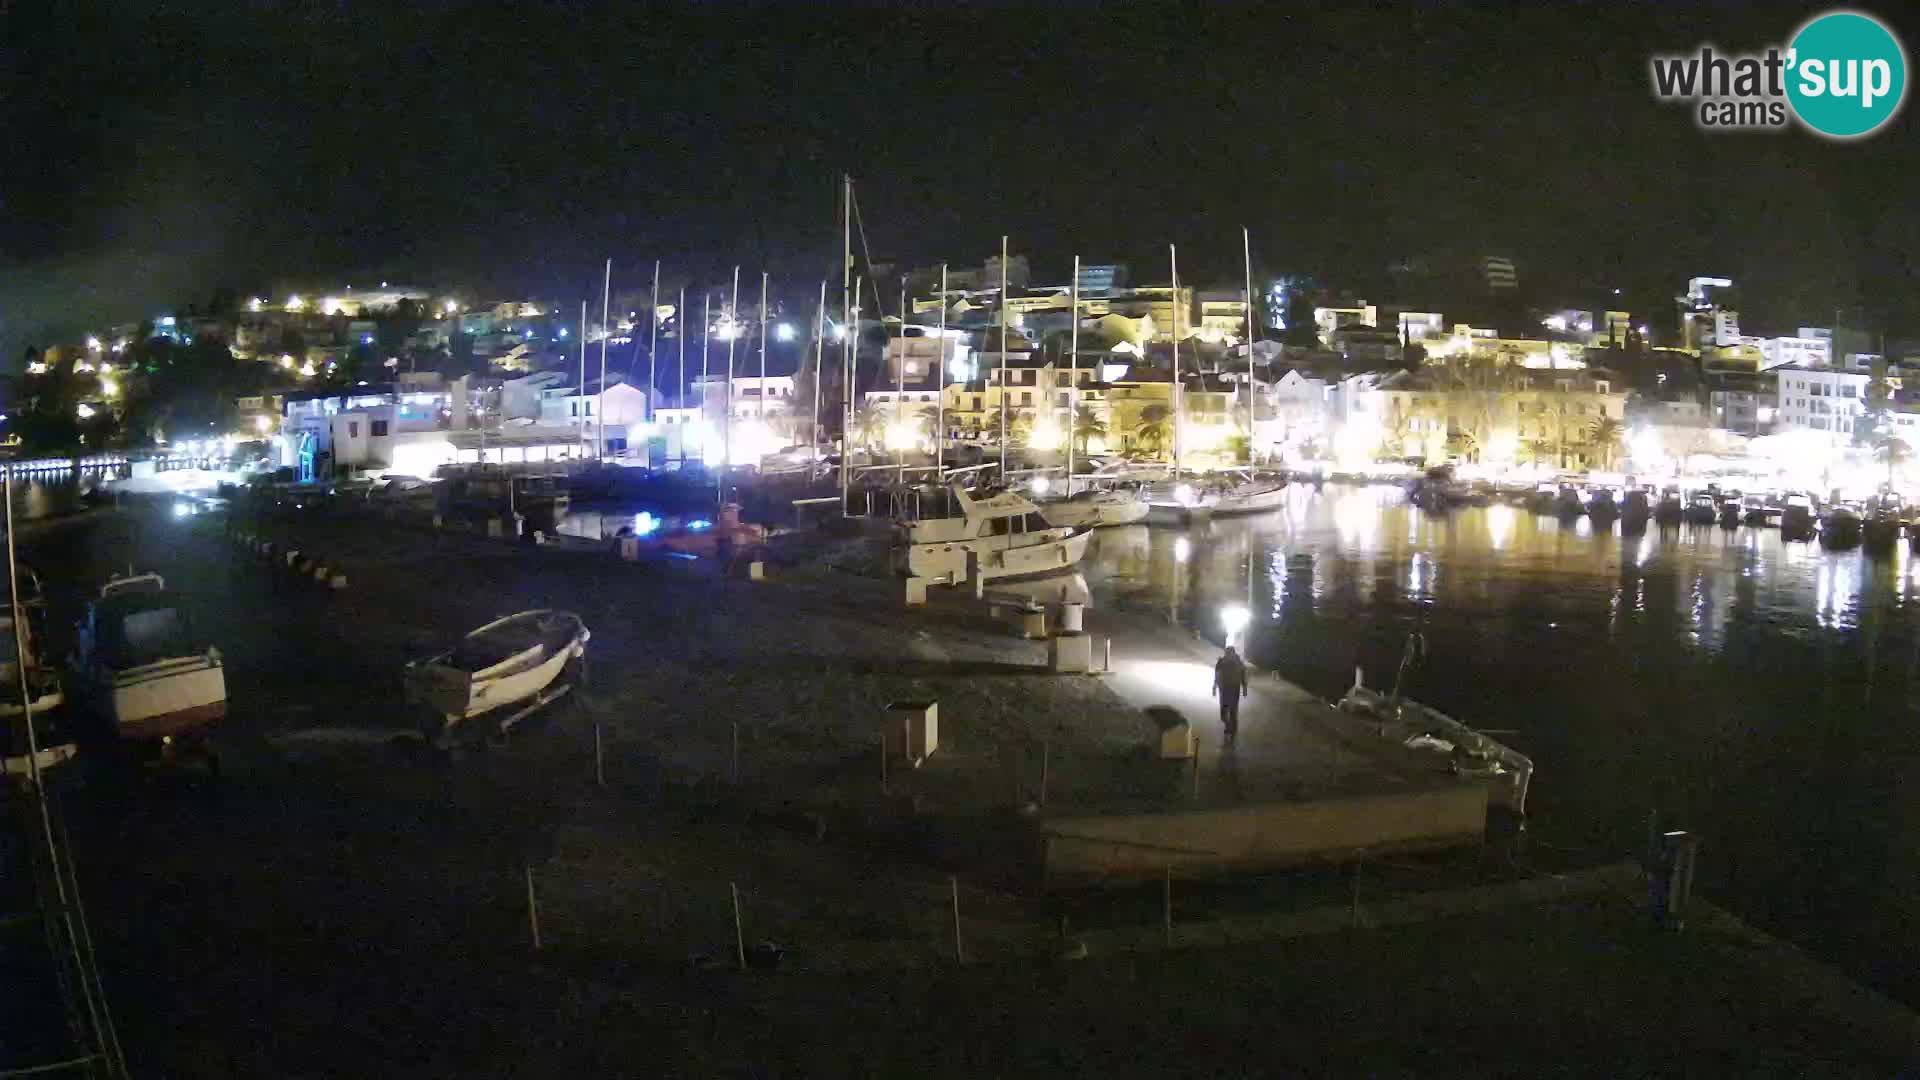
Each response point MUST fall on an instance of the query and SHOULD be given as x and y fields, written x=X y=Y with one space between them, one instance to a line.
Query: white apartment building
x=1821 y=399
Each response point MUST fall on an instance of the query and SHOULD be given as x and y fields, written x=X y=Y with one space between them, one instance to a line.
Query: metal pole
x=763 y=348
x=706 y=358
x=846 y=337
x=726 y=444
x=819 y=372
x=1005 y=398
x=1173 y=260
x=900 y=394
x=940 y=421
x=653 y=337
x=1246 y=253
x=1073 y=376
x=680 y=384
x=1166 y=904
x=583 y=373
x=600 y=398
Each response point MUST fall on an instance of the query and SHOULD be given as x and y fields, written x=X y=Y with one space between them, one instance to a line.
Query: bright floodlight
x=1234 y=618
x=1184 y=494
x=262 y=424
x=93 y=343
x=1182 y=549
x=1041 y=485
x=783 y=332
x=84 y=411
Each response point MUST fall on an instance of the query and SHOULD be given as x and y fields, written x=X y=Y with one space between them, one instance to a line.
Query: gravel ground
x=344 y=903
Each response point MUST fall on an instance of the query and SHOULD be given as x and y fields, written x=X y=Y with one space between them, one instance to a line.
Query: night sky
x=158 y=150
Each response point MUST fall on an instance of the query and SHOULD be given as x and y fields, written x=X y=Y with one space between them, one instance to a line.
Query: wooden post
x=1166 y=904
x=739 y=938
x=959 y=951
x=533 y=909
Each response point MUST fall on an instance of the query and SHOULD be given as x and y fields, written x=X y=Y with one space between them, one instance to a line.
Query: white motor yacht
x=1097 y=509
x=1005 y=531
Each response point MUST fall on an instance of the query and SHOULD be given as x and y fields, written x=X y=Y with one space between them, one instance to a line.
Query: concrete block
x=1177 y=739
x=1070 y=653
x=497 y=529
x=293 y=558
x=323 y=574
x=757 y=571
x=912 y=729
x=439 y=521
x=630 y=548
x=339 y=581
x=914 y=591
x=1033 y=624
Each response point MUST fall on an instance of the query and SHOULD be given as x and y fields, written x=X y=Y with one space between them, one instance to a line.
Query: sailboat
x=53 y=741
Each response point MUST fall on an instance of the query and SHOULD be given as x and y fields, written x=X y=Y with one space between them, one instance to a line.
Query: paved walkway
x=1290 y=743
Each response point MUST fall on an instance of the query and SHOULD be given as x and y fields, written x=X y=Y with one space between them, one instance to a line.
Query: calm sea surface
x=1758 y=692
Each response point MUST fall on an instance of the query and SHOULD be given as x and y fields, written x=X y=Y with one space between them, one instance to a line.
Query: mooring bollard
x=339 y=581
x=323 y=574
x=293 y=557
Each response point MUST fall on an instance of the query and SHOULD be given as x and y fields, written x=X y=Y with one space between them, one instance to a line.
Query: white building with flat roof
x=1821 y=399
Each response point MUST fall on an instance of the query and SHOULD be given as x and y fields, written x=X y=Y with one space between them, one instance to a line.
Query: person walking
x=1229 y=683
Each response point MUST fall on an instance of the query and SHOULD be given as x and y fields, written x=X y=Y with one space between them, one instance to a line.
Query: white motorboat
x=1187 y=501
x=1098 y=509
x=1008 y=535
x=54 y=739
x=140 y=664
x=513 y=661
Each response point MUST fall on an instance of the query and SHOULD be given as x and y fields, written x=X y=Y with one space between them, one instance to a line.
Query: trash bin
x=1670 y=878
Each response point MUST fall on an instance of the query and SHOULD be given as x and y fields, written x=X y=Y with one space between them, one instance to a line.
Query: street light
x=1234 y=619
x=84 y=411
x=783 y=332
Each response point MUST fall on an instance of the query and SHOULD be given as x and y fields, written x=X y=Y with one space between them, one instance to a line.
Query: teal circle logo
x=1847 y=75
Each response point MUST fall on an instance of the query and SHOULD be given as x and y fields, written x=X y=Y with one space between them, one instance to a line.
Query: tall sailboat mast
x=819 y=357
x=1006 y=398
x=653 y=338
x=582 y=391
x=900 y=393
x=680 y=385
x=1246 y=254
x=846 y=337
x=940 y=420
x=763 y=350
x=706 y=366
x=733 y=335
x=1173 y=261
x=600 y=398
x=1073 y=369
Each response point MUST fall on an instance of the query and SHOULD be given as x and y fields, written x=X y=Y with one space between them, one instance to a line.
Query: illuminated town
x=819 y=540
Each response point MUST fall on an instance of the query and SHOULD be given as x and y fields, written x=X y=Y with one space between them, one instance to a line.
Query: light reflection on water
x=1758 y=691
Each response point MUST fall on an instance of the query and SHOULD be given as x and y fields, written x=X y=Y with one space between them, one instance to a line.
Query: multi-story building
x=1821 y=399
x=1549 y=417
x=1483 y=344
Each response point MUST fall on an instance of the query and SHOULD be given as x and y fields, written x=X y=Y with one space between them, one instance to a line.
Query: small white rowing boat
x=514 y=661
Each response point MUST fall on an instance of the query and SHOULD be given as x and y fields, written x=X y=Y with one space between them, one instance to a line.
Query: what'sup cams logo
x=1842 y=76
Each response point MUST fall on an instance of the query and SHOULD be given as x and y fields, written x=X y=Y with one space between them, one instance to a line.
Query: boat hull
x=458 y=694
x=997 y=561
x=168 y=698
x=1096 y=515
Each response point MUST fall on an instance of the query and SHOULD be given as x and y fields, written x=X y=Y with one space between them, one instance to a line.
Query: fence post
x=599 y=755
x=883 y=763
x=959 y=951
x=533 y=909
x=1166 y=905
x=736 y=753
x=1046 y=768
x=739 y=939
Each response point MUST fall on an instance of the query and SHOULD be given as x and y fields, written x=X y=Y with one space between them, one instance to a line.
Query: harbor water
x=1758 y=692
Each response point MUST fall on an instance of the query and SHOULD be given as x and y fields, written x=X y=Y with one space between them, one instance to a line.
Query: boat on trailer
x=140 y=664
x=512 y=666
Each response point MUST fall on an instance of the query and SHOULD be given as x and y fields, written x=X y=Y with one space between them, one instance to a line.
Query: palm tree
x=1155 y=428
x=1604 y=435
x=871 y=423
x=1087 y=426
